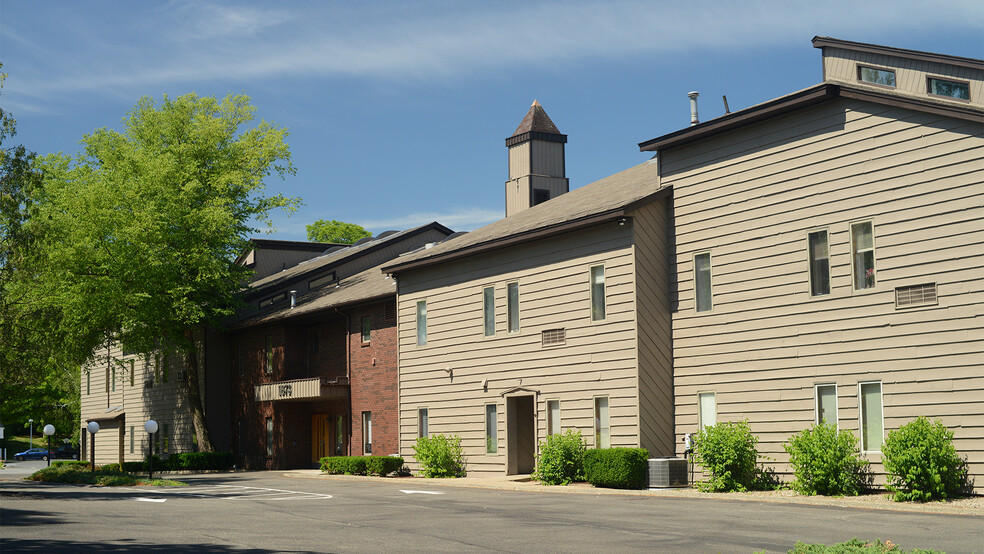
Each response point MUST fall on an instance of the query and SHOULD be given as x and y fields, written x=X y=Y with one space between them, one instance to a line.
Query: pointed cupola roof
x=536 y=125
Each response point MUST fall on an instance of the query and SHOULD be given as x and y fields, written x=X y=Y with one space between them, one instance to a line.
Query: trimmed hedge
x=199 y=461
x=361 y=465
x=617 y=468
x=80 y=463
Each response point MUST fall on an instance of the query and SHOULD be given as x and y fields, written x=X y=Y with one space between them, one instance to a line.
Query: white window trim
x=816 y=404
x=596 y=425
x=700 y=423
x=710 y=275
x=854 y=261
x=881 y=393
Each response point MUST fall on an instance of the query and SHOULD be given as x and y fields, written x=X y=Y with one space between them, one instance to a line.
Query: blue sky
x=398 y=111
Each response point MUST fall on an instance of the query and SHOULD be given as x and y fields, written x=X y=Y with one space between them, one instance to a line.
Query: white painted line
x=421 y=492
x=150 y=499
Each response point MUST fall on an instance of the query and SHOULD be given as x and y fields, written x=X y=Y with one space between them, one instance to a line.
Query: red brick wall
x=374 y=378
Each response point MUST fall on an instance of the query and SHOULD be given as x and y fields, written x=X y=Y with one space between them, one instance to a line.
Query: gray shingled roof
x=610 y=194
x=368 y=285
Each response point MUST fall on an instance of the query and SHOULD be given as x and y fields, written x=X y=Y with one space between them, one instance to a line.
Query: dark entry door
x=520 y=434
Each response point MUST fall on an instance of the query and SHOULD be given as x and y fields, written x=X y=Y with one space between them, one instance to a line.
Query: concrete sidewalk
x=964 y=506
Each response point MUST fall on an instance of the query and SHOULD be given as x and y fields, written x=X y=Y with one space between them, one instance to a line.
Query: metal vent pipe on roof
x=693 y=107
x=293 y=298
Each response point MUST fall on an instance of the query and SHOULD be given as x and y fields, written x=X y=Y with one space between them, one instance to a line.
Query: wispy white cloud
x=204 y=42
x=461 y=219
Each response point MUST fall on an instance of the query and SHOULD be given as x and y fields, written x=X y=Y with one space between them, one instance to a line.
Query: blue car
x=32 y=454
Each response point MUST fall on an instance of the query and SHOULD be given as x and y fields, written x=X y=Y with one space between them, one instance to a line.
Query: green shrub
x=383 y=465
x=922 y=462
x=105 y=475
x=79 y=463
x=727 y=451
x=827 y=462
x=616 y=468
x=348 y=465
x=110 y=468
x=561 y=459
x=440 y=456
x=135 y=467
x=856 y=546
x=197 y=461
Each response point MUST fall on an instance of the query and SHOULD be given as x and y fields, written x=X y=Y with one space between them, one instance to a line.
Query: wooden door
x=321 y=431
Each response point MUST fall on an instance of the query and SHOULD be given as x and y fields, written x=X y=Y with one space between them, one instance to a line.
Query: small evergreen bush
x=617 y=468
x=440 y=456
x=79 y=463
x=110 y=468
x=199 y=461
x=727 y=451
x=361 y=465
x=561 y=459
x=827 y=462
x=922 y=463
x=383 y=465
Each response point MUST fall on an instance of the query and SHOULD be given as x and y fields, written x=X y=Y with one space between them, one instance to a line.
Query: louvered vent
x=553 y=336
x=390 y=312
x=915 y=295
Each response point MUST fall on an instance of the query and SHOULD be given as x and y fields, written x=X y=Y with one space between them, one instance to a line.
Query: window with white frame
x=706 y=409
x=367 y=433
x=819 y=263
x=597 y=280
x=872 y=419
x=602 y=423
x=512 y=306
x=702 y=282
x=488 y=311
x=422 y=422
x=826 y=408
x=366 y=333
x=491 y=429
x=863 y=255
x=553 y=417
x=421 y=322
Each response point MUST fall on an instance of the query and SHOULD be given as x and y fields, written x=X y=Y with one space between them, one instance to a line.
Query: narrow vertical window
x=491 y=429
x=366 y=329
x=863 y=254
x=553 y=417
x=602 y=423
x=422 y=422
x=488 y=310
x=132 y=439
x=707 y=409
x=872 y=427
x=165 y=439
x=702 y=281
x=826 y=404
x=269 y=436
x=157 y=368
x=819 y=263
x=340 y=436
x=512 y=306
x=133 y=364
x=164 y=370
x=422 y=322
x=112 y=382
x=597 y=293
x=367 y=433
x=88 y=384
x=269 y=354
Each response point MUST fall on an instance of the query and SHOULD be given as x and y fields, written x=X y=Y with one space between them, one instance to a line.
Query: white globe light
x=93 y=427
x=49 y=429
x=151 y=426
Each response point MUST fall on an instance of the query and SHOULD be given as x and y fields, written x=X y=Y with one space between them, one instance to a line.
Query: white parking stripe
x=235 y=492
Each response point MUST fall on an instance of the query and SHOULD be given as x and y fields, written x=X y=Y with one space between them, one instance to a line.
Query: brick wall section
x=374 y=378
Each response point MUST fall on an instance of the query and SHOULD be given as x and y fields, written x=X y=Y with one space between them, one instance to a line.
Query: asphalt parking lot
x=268 y=511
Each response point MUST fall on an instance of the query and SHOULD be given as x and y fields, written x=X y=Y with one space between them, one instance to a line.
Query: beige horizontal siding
x=751 y=197
x=597 y=359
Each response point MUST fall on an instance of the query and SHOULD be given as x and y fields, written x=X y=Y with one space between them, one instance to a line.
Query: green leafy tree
x=138 y=234
x=335 y=231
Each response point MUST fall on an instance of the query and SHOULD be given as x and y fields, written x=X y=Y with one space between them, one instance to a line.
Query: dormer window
x=950 y=89
x=321 y=281
x=273 y=300
x=876 y=76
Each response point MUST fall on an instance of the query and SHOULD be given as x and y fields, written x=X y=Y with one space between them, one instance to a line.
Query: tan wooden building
x=819 y=256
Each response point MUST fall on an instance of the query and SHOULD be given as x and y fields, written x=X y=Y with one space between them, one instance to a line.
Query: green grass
x=856 y=546
x=79 y=474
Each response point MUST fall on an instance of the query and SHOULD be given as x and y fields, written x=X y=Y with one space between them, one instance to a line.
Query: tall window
x=553 y=417
x=132 y=439
x=597 y=279
x=491 y=429
x=826 y=404
x=602 y=423
x=863 y=254
x=819 y=263
x=133 y=364
x=872 y=427
x=112 y=385
x=488 y=310
x=157 y=368
x=88 y=384
x=512 y=306
x=702 y=281
x=422 y=422
x=164 y=369
x=366 y=329
x=422 y=322
x=340 y=436
x=367 y=432
x=707 y=409
x=269 y=436
x=165 y=439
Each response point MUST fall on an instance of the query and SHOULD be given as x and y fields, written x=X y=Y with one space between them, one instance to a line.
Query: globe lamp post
x=151 y=427
x=93 y=428
x=49 y=430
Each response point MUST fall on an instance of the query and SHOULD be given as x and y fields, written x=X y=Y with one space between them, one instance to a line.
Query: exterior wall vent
x=915 y=295
x=551 y=337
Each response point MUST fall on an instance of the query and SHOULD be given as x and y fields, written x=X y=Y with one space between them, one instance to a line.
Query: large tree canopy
x=138 y=234
x=336 y=231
